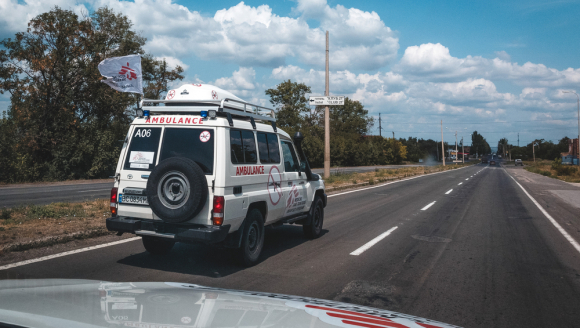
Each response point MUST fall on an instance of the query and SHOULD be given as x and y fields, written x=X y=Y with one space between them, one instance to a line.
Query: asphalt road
x=42 y=194
x=50 y=193
x=481 y=255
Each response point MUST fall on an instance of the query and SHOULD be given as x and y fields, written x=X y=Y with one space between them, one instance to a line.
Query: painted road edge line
x=449 y=191
x=371 y=243
x=550 y=218
x=428 y=205
x=402 y=180
x=49 y=257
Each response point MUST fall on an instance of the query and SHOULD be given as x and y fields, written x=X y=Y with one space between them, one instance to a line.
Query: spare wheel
x=177 y=189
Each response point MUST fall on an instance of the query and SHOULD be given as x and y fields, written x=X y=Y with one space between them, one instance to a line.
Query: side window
x=243 y=147
x=142 y=152
x=268 y=148
x=290 y=160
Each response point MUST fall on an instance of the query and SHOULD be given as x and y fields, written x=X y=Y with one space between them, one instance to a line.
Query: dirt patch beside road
x=33 y=226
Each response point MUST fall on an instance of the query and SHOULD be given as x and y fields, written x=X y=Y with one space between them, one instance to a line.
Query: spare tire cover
x=177 y=189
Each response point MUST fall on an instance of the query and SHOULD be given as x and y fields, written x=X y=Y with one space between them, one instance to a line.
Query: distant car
x=492 y=162
x=519 y=162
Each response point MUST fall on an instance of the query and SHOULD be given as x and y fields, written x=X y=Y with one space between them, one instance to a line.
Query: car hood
x=87 y=303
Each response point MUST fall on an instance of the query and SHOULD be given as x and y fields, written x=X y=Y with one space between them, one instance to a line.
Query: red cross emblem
x=171 y=94
x=214 y=94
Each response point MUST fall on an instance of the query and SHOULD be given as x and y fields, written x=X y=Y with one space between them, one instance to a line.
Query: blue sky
x=498 y=67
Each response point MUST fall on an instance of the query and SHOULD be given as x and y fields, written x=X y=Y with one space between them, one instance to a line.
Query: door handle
x=301 y=182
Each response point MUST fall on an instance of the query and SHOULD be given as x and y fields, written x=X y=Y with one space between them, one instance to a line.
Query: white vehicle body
x=270 y=177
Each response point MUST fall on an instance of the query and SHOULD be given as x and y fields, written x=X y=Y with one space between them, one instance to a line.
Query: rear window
x=142 y=153
x=195 y=144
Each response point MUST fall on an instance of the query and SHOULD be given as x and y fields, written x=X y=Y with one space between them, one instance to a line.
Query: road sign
x=327 y=101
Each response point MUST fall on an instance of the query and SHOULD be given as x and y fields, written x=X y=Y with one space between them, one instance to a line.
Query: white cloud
x=173 y=62
x=434 y=62
x=254 y=36
x=15 y=14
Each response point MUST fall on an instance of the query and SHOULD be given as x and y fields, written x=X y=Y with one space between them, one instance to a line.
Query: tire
x=314 y=229
x=252 y=239
x=157 y=246
x=177 y=190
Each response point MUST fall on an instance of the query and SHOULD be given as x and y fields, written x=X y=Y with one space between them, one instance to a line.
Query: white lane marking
x=448 y=192
x=428 y=205
x=49 y=257
x=371 y=243
x=95 y=190
x=556 y=224
x=388 y=183
x=459 y=184
x=466 y=179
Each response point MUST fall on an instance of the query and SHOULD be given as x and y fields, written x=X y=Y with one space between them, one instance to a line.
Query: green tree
x=63 y=123
x=291 y=104
x=156 y=76
x=479 y=145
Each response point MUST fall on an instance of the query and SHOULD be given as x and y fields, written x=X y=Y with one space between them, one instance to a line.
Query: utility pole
x=326 y=122
x=456 y=158
x=462 y=151
x=380 y=128
x=518 y=140
x=442 y=146
x=393 y=135
x=534 y=150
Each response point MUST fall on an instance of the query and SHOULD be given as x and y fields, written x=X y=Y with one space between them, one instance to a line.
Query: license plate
x=131 y=199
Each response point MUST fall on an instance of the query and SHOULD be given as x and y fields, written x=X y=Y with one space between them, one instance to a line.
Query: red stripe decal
x=366 y=325
x=350 y=317
x=345 y=311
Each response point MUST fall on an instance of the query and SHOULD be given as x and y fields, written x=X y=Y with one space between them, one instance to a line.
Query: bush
x=5 y=214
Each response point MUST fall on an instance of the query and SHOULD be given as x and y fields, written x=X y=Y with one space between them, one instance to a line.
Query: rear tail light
x=218 y=210
x=114 y=201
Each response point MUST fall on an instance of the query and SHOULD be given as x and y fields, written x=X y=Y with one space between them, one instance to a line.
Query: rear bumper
x=178 y=232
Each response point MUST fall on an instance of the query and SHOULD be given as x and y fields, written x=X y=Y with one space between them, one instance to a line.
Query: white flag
x=123 y=73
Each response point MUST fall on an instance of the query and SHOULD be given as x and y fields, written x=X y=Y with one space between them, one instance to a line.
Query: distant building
x=571 y=157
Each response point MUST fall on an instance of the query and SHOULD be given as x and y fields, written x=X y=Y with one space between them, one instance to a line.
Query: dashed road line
x=459 y=184
x=449 y=191
x=371 y=243
x=428 y=205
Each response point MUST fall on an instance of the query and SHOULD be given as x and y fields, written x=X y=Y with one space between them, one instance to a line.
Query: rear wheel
x=252 y=239
x=314 y=229
x=157 y=246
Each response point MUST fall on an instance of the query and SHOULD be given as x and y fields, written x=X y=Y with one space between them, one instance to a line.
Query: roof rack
x=233 y=107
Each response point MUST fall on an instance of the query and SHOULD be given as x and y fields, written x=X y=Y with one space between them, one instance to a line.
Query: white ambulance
x=205 y=166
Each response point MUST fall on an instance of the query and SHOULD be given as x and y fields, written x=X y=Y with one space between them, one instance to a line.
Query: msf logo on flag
x=128 y=79
x=128 y=72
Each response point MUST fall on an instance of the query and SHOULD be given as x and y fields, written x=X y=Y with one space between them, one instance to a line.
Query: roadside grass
x=339 y=179
x=554 y=169
x=30 y=226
